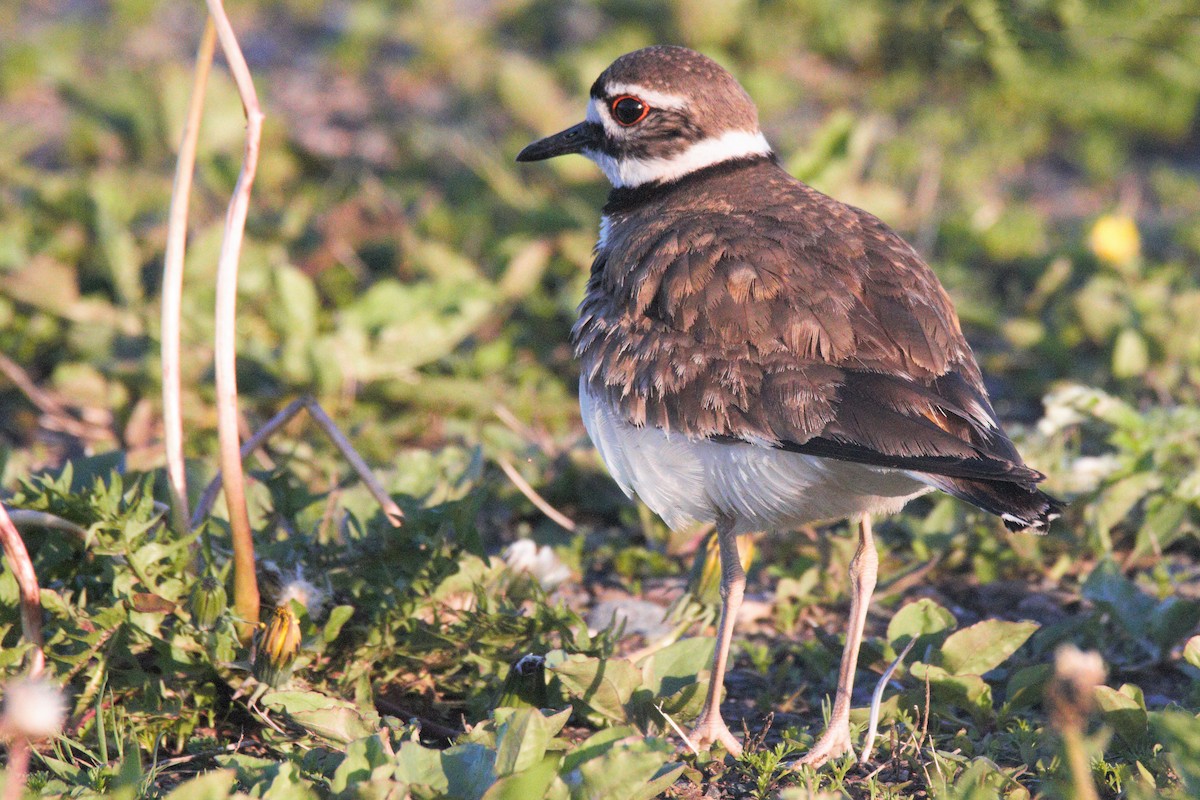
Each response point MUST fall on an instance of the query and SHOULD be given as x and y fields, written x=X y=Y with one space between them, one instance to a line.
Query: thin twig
x=26 y=518
x=172 y=290
x=535 y=498
x=246 y=598
x=55 y=415
x=391 y=510
x=682 y=734
x=209 y=496
x=876 y=700
x=27 y=583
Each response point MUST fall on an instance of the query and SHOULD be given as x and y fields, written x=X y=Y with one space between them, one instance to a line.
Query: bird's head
x=656 y=115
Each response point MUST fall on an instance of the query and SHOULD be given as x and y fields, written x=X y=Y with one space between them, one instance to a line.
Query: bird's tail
x=1022 y=506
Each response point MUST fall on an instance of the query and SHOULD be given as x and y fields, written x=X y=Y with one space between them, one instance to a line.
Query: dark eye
x=628 y=110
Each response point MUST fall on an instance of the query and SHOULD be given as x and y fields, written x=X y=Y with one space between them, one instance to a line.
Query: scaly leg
x=710 y=727
x=864 y=567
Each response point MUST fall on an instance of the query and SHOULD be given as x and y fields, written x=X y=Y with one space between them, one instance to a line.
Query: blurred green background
x=1043 y=155
x=400 y=266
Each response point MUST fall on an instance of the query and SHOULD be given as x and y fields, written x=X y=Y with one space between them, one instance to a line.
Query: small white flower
x=540 y=563
x=34 y=709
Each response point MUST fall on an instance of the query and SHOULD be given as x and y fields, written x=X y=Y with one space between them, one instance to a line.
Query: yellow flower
x=278 y=645
x=1114 y=240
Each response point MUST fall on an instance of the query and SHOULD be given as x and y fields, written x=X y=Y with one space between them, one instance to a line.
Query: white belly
x=761 y=488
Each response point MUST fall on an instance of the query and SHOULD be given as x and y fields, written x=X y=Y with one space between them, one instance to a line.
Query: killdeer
x=757 y=354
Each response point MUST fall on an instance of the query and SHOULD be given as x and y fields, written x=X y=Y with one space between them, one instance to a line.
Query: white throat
x=631 y=172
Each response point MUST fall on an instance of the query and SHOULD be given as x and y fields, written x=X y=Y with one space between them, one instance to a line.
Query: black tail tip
x=1045 y=509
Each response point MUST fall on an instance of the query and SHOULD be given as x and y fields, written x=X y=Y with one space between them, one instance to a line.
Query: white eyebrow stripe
x=631 y=172
x=649 y=96
x=610 y=126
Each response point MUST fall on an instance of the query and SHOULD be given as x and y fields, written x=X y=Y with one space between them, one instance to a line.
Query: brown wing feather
x=810 y=326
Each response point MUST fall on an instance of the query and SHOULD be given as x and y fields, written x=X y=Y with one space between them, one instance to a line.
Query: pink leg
x=710 y=728
x=864 y=567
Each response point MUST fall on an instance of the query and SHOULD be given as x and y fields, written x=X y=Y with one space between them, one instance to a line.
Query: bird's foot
x=711 y=729
x=834 y=743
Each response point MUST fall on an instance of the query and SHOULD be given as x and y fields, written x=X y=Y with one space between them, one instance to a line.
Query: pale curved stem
x=172 y=290
x=245 y=584
x=27 y=583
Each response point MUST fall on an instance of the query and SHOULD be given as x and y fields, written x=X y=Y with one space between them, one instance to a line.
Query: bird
x=758 y=355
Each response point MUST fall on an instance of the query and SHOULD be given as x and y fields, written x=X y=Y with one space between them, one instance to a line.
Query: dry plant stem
x=876 y=700
x=27 y=583
x=392 y=511
x=550 y=511
x=18 y=768
x=172 y=291
x=25 y=518
x=209 y=497
x=1077 y=760
x=55 y=415
x=245 y=584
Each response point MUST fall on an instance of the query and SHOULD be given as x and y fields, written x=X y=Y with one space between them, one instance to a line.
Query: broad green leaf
x=1123 y=713
x=1191 y=651
x=1120 y=498
x=632 y=768
x=1026 y=686
x=670 y=669
x=215 y=785
x=421 y=766
x=604 y=685
x=1112 y=591
x=532 y=782
x=470 y=770
x=984 y=646
x=523 y=736
x=289 y=784
x=363 y=756
x=328 y=717
x=1180 y=734
x=1171 y=620
x=968 y=691
x=338 y=617
x=923 y=620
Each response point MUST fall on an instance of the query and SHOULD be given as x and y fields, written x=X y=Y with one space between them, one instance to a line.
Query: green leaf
x=470 y=769
x=363 y=757
x=533 y=782
x=1026 y=686
x=1171 y=620
x=338 y=617
x=1180 y=734
x=968 y=691
x=670 y=669
x=603 y=685
x=215 y=785
x=631 y=768
x=1123 y=713
x=421 y=766
x=1120 y=498
x=328 y=717
x=1191 y=651
x=984 y=646
x=1112 y=591
x=523 y=736
x=923 y=620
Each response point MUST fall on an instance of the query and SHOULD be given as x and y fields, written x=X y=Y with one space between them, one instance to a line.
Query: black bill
x=572 y=140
